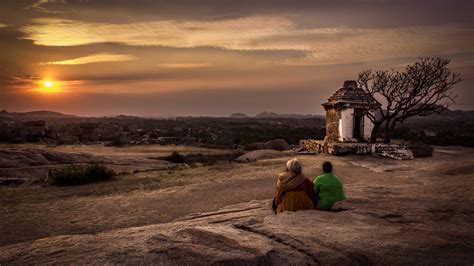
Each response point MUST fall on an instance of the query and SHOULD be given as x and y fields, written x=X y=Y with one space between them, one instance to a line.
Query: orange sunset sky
x=154 y=57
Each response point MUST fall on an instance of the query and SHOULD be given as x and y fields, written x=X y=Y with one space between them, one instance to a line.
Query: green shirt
x=329 y=189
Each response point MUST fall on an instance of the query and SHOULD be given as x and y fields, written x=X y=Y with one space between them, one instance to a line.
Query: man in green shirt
x=327 y=189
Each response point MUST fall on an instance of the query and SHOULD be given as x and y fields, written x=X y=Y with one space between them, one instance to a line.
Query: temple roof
x=350 y=95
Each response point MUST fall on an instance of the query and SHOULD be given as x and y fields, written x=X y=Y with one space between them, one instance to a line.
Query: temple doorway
x=358 y=128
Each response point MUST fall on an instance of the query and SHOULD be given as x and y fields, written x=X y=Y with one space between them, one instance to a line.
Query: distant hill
x=456 y=114
x=275 y=115
x=238 y=115
x=34 y=115
x=447 y=114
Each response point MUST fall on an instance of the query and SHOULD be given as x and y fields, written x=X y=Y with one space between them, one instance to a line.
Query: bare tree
x=422 y=89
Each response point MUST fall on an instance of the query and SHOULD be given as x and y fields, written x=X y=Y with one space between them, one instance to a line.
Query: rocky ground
x=397 y=212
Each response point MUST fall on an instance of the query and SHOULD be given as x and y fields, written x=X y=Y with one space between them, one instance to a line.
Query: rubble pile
x=394 y=151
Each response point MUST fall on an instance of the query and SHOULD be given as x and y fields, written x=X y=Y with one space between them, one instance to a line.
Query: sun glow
x=48 y=86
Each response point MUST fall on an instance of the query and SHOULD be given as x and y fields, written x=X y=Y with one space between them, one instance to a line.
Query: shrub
x=175 y=157
x=421 y=150
x=79 y=175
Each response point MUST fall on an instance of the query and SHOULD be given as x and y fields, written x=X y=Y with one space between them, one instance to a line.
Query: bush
x=79 y=175
x=175 y=157
x=421 y=150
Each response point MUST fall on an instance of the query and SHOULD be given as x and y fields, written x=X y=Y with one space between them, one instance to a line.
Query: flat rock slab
x=249 y=233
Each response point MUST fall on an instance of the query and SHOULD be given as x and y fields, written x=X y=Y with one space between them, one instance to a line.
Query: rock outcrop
x=249 y=234
x=18 y=166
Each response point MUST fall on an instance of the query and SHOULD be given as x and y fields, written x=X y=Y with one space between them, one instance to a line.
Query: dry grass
x=99 y=149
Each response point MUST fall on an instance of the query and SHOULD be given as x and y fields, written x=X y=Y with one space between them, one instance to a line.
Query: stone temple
x=348 y=128
x=346 y=114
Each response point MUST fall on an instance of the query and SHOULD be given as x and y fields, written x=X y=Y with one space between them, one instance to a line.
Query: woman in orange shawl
x=293 y=190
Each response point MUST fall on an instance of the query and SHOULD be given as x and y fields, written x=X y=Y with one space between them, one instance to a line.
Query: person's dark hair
x=327 y=167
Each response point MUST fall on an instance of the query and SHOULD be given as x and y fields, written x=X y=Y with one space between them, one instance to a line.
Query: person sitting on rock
x=293 y=190
x=327 y=189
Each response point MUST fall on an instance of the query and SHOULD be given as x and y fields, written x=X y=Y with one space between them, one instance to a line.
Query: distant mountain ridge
x=266 y=114
x=44 y=114
x=444 y=114
x=34 y=114
x=275 y=115
x=447 y=114
x=238 y=115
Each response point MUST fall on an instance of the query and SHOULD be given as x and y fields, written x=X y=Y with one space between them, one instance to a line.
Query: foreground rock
x=250 y=234
x=397 y=213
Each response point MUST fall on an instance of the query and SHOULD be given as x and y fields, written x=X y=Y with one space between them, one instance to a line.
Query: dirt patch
x=459 y=170
x=200 y=158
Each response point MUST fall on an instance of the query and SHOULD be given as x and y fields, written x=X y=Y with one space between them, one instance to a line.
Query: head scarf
x=292 y=177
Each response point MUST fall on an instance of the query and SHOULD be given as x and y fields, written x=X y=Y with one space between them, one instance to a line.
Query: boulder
x=277 y=144
x=253 y=156
x=255 y=146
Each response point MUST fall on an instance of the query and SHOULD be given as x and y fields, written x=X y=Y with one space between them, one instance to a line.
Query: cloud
x=95 y=58
x=39 y=3
x=230 y=34
x=183 y=65
x=332 y=45
x=324 y=13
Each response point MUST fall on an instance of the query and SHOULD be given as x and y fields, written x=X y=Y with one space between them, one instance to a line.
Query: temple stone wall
x=332 y=125
x=368 y=126
x=346 y=124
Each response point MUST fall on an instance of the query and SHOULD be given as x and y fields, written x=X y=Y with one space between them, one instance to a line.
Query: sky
x=217 y=57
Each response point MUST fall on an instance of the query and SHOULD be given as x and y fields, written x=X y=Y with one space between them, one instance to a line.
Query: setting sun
x=48 y=86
